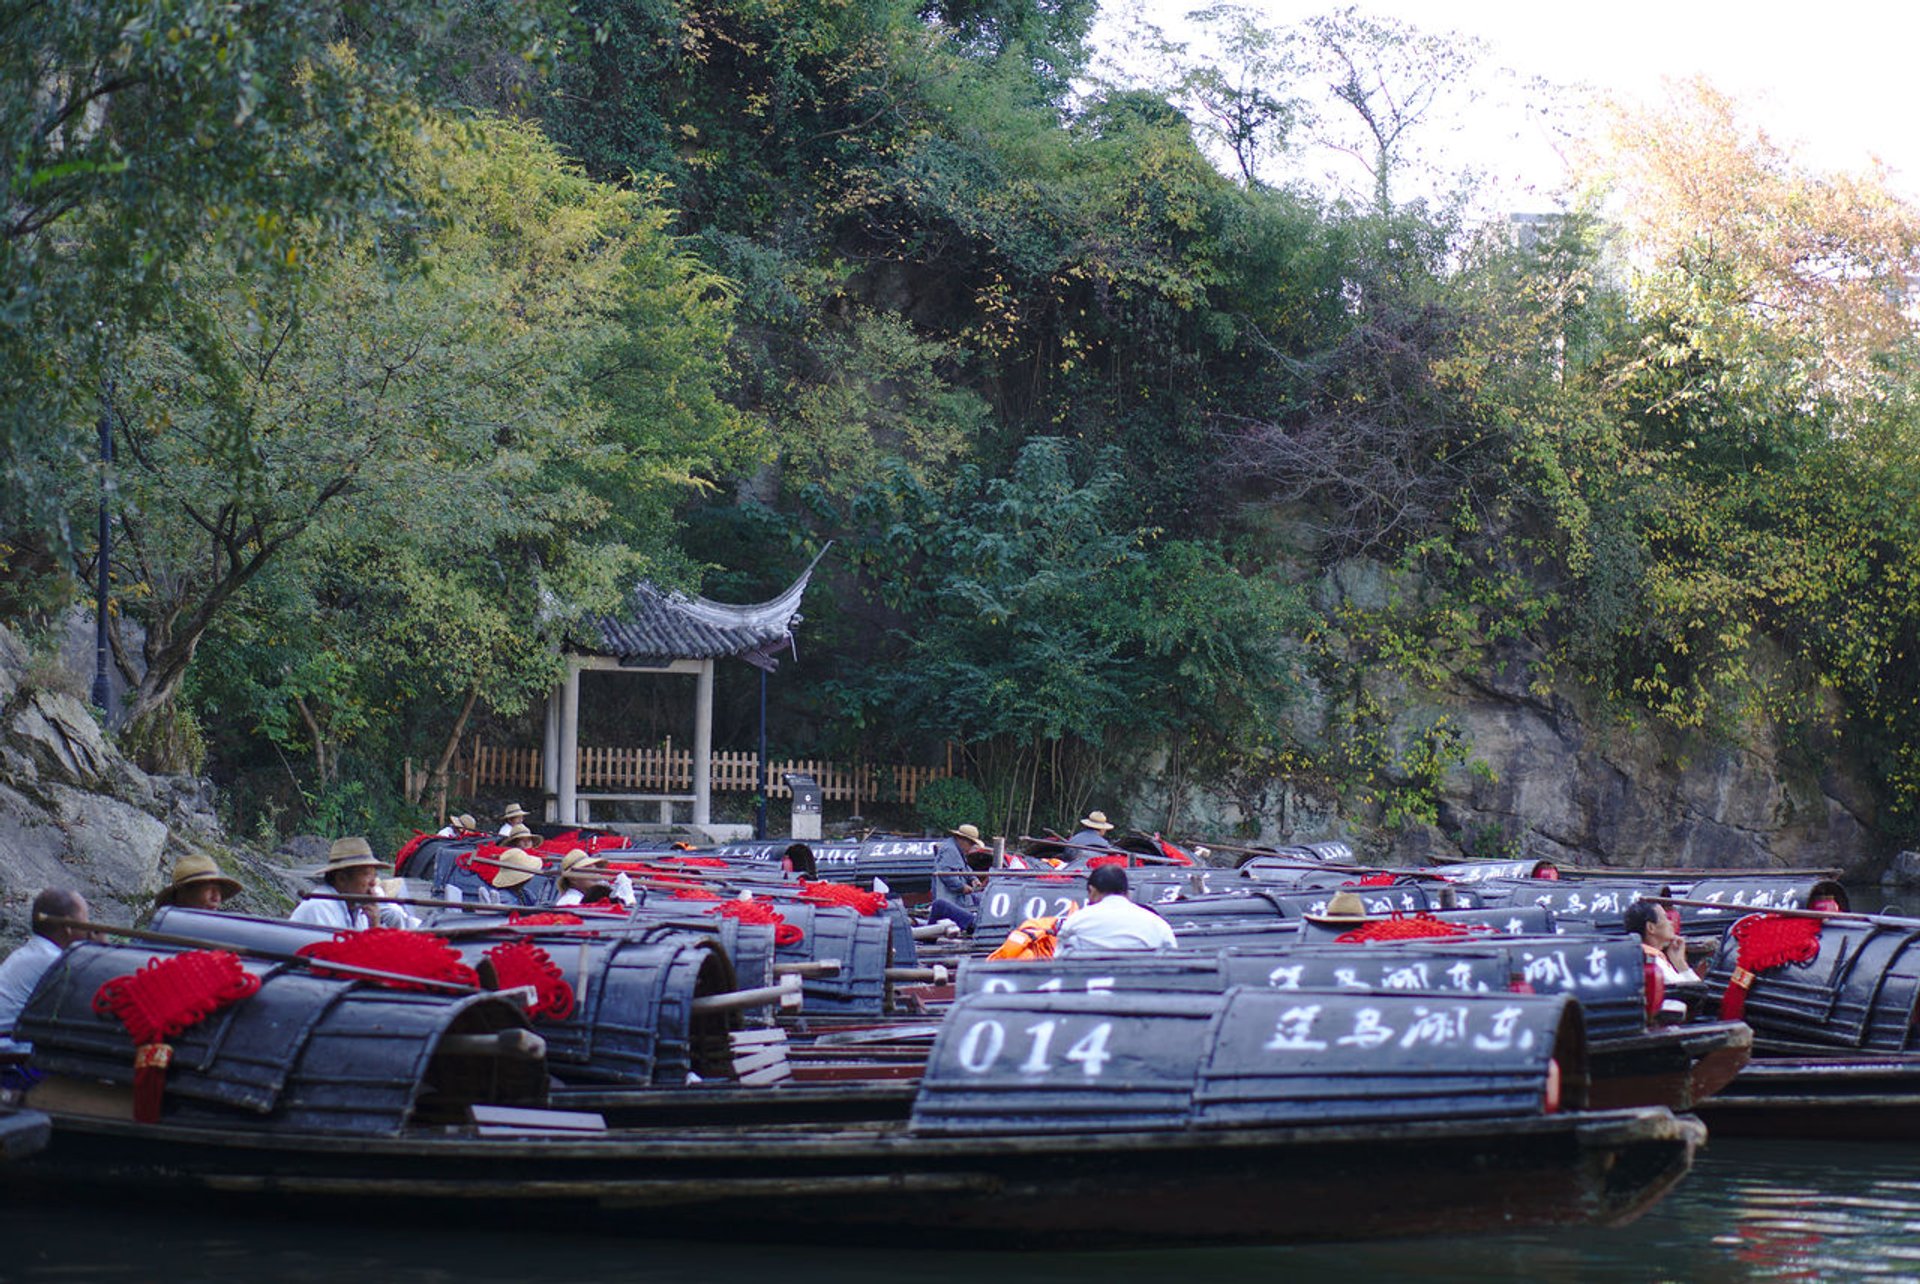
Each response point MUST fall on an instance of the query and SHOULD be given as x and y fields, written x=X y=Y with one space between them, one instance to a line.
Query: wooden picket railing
x=667 y=770
x=500 y=765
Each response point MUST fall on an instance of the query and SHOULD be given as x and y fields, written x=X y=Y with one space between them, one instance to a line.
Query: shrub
x=949 y=802
x=166 y=741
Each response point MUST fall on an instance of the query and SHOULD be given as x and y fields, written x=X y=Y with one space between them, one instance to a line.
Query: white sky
x=1838 y=82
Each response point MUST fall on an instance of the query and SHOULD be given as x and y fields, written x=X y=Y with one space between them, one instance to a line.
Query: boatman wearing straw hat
x=197 y=884
x=1091 y=834
x=957 y=888
x=499 y=876
x=458 y=827
x=1344 y=909
x=514 y=815
x=583 y=879
x=351 y=870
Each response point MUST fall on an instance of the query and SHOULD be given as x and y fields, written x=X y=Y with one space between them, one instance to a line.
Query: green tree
x=1390 y=78
x=134 y=132
x=1041 y=630
x=426 y=400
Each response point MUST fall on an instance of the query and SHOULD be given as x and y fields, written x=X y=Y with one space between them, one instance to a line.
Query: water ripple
x=1750 y=1210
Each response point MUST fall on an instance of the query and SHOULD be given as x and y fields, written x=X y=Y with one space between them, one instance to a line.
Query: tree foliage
x=1041 y=627
x=420 y=442
x=134 y=133
x=1137 y=464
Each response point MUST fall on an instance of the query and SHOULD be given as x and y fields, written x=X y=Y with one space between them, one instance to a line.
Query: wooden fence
x=668 y=770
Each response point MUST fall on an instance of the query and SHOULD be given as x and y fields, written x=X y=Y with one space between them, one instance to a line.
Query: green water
x=1749 y=1210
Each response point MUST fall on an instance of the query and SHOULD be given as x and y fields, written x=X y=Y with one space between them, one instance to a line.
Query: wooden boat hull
x=880 y=1184
x=1827 y=1098
x=1678 y=1067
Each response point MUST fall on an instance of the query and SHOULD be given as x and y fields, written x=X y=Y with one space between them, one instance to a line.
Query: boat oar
x=1690 y=875
x=786 y=994
x=255 y=952
x=668 y=880
x=422 y=902
x=698 y=874
x=1888 y=920
x=938 y=974
x=818 y=967
x=1148 y=857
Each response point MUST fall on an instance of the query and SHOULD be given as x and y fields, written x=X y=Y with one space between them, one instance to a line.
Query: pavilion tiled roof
x=656 y=625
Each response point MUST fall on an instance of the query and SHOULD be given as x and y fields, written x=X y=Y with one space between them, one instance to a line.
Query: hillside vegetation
x=1159 y=478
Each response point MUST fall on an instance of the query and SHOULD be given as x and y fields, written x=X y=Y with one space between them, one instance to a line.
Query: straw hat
x=1344 y=908
x=969 y=832
x=464 y=821
x=1096 y=820
x=514 y=811
x=192 y=870
x=349 y=853
x=517 y=832
x=520 y=866
x=578 y=860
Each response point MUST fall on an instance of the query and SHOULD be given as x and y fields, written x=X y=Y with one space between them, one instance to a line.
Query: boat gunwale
x=809 y=1141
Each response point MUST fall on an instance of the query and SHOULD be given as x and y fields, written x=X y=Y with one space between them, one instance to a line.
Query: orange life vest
x=1033 y=939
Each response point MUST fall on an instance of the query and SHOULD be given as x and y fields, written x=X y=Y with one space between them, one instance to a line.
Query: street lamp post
x=760 y=807
x=102 y=687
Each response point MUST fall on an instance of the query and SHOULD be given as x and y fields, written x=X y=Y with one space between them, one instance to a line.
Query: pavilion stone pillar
x=703 y=745
x=568 y=787
x=550 y=760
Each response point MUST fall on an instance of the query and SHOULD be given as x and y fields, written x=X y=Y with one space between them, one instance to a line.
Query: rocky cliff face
x=74 y=812
x=1562 y=781
x=1551 y=775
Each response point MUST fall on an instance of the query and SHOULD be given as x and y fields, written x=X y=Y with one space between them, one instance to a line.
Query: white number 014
x=985 y=1041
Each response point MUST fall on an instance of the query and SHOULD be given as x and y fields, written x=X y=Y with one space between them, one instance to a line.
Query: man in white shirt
x=1111 y=921
x=25 y=966
x=351 y=870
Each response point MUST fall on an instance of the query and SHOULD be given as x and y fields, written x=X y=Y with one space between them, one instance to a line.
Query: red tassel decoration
x=1405 y=927
x=869 y=904
x=1767 y=941
x=150 y=1062
x=524 y=963
x=163 y=998
x=386 y=949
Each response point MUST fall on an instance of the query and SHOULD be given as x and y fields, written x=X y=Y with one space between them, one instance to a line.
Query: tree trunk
x=436 y=779
x=323 y=762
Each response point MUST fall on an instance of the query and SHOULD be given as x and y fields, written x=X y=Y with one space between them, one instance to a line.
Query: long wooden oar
x=1890 y=920
x=421 y=902
x=936 y=974
x=787 y=994
x=1694 y=875
x=671 y=881
x=1148 y=857
x=256 y=952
